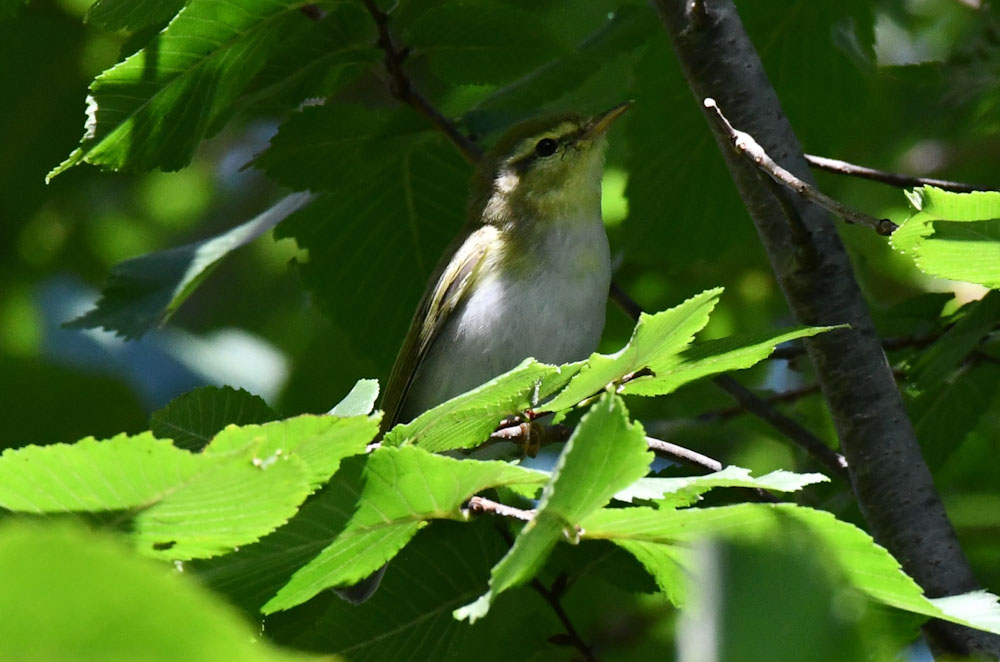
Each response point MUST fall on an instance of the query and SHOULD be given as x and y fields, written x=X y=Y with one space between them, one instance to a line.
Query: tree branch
x=553 y=596
x=790 y=395
x=478 y=504
x=890 y=344
x=402 y=88
x=838 y=167
x=757 y=406
x=745 y=144
x=789 y=427
x=892 y=483
x=683 y=455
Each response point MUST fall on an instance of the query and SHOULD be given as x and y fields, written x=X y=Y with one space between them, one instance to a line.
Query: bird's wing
x=456 y=271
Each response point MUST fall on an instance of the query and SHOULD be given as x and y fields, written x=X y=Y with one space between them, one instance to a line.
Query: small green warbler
x=527 y=276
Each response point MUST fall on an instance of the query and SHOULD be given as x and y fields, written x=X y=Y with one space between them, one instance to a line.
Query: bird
x=527 y=276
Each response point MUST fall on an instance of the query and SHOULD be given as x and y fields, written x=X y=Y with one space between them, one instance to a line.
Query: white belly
x=553 y=312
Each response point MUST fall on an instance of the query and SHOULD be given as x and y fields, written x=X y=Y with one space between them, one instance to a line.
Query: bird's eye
x=546 y=147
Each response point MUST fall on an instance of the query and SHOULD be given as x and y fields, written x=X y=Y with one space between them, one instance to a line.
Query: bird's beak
x=600 y=123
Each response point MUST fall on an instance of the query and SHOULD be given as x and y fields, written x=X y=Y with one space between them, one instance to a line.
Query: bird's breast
x=550 y=307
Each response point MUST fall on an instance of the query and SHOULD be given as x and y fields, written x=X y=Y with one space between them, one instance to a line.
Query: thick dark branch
x=839 y=167
x=402 y=87
x=891 y=481
x=745 y=144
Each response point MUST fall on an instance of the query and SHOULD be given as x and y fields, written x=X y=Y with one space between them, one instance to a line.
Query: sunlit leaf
x=660 y=357
x=82 y=586
x=360 y=401
x=687 y=489
x=152 y=109
x=246 y=483
x=404 y=489
x=605 y=454
x=954 y=235
x=468 y=420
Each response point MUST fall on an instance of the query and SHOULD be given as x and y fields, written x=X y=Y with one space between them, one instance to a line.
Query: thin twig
x=785 y=396
x=792 y=429
x=746 y=145
x=625 y=302
x=402 y=88
x=572 y=635
x=839 y=167
x=690 y=457
x=478 y=504
x=683 y=455
x=757 y=406
x=890 y=344
x=553 y=598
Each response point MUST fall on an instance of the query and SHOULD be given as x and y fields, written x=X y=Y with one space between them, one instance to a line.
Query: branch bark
x=838 y=167
x=891 y=481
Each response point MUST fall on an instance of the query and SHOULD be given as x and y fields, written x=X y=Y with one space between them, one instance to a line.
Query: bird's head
x=548 y=167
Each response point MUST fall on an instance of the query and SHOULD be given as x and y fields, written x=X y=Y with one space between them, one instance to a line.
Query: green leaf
x=145 y=291
x=66 y=590
x=246 y=483
x=604 y=455
x=936 y=363
x=953 y=235
x=132 y=15
x=713 y=357
x=192 y=419
x=867 y=566
x=374 y=241
x=336 y=147
x=685 y=490
x=481 y=42
x=81 y=477
x=251 y=575
x=662 y=334
x=183 y=505
x=404 y=489
x=468 y=419
x=338 y=46
x=360 y=401
x=944 y=416
x=659 y=358
x=409 y=617
x=546 y=88
x=152 y=109
x=709 y=216
x=320 y=442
